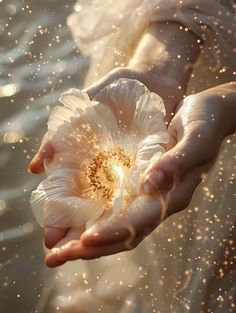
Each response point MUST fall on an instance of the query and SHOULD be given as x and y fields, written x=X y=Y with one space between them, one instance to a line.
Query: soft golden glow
x=106 y=173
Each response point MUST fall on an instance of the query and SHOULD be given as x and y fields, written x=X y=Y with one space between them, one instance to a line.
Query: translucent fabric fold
x=111 y=35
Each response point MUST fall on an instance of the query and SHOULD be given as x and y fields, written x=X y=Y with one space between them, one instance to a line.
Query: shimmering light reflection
x=77 y=7
x=9 y=90
x=118 y=198
x=13 y=136
x=28 y=227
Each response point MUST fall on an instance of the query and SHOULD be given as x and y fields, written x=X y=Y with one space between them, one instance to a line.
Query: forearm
x=225 y=95
x=168 y=48
x=164 y=57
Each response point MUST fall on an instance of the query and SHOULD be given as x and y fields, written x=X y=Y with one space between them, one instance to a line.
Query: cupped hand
x=162 y=85
x=196 y=133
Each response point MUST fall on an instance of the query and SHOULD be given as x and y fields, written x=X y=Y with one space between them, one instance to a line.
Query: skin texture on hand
x=196 y=131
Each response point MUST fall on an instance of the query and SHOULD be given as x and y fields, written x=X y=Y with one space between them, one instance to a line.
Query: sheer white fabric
x=108 y=31
x=187 y=263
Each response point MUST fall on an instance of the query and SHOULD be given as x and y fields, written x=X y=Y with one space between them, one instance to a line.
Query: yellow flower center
x=106 y=173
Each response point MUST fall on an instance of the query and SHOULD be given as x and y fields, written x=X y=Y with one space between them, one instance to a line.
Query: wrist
x=224 y=98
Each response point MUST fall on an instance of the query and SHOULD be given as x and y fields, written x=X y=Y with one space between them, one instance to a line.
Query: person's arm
x=162 y=61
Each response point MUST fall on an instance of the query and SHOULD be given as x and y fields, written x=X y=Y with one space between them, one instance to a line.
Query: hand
x=165 y=87
x=196 y=134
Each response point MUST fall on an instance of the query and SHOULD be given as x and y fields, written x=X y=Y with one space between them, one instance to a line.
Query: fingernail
x=152 y=180
x=31 y=164
x=29 y=170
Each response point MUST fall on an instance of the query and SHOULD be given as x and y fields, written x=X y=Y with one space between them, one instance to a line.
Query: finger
x=52 y=235
x=45 y=151
x=72 y=234
x=107 y=233
x=180 y=197
x=143 y=216
x=75 y=250
x=100 y=84
x=51 y=259
x=192 y=151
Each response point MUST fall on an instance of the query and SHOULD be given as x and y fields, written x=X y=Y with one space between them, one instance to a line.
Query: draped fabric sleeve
x=108 y=30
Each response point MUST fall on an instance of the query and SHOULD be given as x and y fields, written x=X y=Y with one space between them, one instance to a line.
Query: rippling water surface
x=38 y=60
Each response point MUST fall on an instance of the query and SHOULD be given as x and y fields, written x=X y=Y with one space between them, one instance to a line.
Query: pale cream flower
x=102 y=147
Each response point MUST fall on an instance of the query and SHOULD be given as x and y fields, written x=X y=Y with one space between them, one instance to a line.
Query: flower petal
x=149 y=114
x=75 y=103
x=148 y=150
x=72 y=212
x=81 y=126
x=121 y=97
x=150 y=146
x=57 y=202
x=137 y=110
x=76 y=100
x=94 y=113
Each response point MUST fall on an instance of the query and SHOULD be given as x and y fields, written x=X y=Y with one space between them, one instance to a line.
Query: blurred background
x=38 y=60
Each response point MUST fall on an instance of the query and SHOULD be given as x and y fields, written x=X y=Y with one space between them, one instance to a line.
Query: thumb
x=190 y=152
x=46 y=151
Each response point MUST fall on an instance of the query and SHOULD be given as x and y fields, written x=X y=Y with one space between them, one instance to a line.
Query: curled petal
x=71 y=212
x=121 y=97
x=57 y=202
x=150 y=112
x=150 y=147
x=75 y=103
x=81 y=126
x=137 y=110
x=76 y=100
x=148 y=150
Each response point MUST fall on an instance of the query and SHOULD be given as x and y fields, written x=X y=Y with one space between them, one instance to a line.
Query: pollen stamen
x=101 y=171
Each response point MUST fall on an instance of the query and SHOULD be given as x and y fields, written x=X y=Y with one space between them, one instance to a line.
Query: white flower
x=101 y=149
